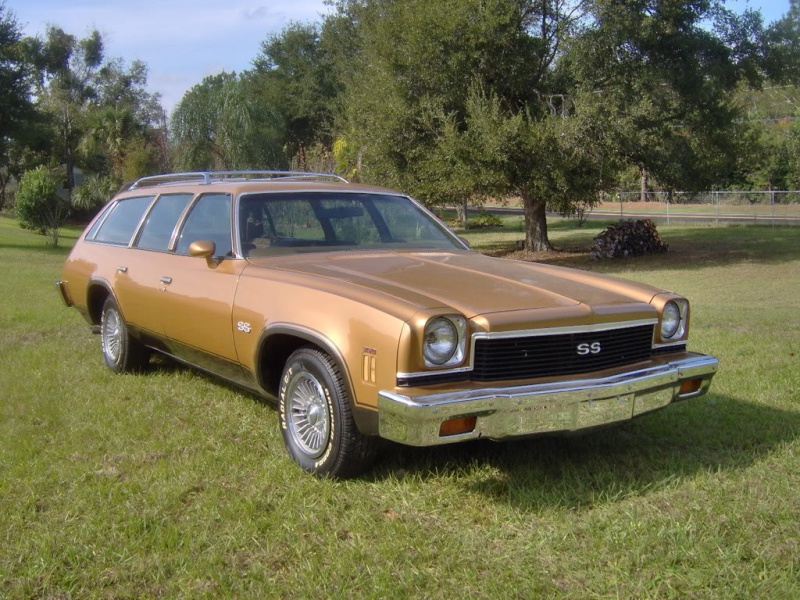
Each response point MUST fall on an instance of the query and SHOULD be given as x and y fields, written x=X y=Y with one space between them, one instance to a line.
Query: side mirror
x=204 y=249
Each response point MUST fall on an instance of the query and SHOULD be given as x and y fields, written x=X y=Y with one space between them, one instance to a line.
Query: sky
x=184 y=41
x=181 y=41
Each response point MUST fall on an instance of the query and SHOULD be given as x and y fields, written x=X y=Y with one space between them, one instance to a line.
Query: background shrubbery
x=38 y=205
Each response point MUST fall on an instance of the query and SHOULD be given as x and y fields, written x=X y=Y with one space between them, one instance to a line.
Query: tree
x=782 y=168
x=406 y=98
x=782 y=61
x=550 y=162
x=93 y=193
x=294 y=80
x=16 y=108
x=791 y=156
x=108 y=132
x=126 y=125
x=575 y=91
x=38 y=205
x=67 y=66
x=213 y=126
x=666 y=81
x=99 y=109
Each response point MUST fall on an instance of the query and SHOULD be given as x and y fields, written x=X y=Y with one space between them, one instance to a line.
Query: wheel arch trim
x=95 y=312
x=366 y=419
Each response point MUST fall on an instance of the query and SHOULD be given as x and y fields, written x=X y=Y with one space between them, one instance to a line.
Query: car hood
x=468 y=282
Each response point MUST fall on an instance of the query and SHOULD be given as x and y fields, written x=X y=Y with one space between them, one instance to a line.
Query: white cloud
x=182 y=41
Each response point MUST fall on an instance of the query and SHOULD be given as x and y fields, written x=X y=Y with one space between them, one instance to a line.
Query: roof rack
x=207 y=177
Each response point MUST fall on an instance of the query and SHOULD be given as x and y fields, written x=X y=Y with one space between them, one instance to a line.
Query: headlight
x=444 y=341
x=672 y=320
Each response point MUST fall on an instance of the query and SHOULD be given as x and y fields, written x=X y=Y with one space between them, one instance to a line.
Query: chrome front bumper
x=542 y=408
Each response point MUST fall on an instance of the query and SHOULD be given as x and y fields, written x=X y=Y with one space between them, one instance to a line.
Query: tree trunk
x=3 y=182
x=643 y=192
x=535 y=223
x=69 y=173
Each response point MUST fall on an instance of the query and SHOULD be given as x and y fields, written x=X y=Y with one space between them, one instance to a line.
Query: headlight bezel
x=456 y=325
x=673 y=320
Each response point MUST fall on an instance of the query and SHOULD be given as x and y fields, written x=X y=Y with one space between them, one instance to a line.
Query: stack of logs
x=628 y=238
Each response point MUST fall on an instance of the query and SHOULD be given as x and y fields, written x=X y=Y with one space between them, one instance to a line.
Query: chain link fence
x=775 y=207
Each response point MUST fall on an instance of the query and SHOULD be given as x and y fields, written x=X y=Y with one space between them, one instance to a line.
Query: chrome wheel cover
x=309 y=418
x=112 y=335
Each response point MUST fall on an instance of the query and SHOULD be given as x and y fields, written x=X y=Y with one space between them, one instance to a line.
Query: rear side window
x=121 y=223
x=209 y=219
x=161 y=220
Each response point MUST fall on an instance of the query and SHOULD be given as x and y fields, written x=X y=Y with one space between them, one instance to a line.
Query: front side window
x=209 y=219
x=123 y=219
x=161 y=220
x=274 y=223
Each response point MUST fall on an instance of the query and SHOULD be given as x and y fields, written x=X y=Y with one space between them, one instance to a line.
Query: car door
x=129 y=273
x=138 y=279
x=198 y=292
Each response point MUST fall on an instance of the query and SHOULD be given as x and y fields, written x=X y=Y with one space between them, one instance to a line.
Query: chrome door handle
x=166 y=280
x=122 y=269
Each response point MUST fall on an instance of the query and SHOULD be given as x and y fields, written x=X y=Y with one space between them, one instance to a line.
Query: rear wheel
x=121 y=352
x=316 y=420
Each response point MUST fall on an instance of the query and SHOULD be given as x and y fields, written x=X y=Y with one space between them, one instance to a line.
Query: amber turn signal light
x=690 y=386
x=457 y=426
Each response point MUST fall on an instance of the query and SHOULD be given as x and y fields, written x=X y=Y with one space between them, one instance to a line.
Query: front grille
x=552 y=355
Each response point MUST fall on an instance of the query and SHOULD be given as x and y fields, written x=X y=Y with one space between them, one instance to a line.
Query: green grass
x=170 y=484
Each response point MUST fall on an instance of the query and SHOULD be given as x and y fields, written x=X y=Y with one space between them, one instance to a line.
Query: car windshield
x=280 y=223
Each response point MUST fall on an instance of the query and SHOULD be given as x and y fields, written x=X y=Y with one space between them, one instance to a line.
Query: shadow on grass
x=689 y=248
x=576 y=472
x=60 y=250
x=582 y=471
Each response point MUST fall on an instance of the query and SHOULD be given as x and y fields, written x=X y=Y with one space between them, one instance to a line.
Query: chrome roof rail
x=208 y=177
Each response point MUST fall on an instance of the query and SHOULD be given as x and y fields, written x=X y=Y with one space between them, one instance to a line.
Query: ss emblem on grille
x=593 y=348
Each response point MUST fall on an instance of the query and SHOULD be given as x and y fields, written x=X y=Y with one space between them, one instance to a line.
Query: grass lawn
x=170 y=484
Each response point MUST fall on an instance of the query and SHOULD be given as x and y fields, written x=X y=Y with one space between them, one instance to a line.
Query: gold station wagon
x=364 y=317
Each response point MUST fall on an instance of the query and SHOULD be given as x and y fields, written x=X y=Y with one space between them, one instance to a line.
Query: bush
x=38 y=205
x=93 y=193
x=485 y=219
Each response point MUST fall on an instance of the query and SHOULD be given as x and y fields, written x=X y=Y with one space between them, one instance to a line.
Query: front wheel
x=316 y=420
x=121 y=352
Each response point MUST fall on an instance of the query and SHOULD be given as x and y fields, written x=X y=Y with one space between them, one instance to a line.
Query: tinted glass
x=308 y=221
x=99 y=221
x=119 y=226
x=209 y=219
x=161 y=220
